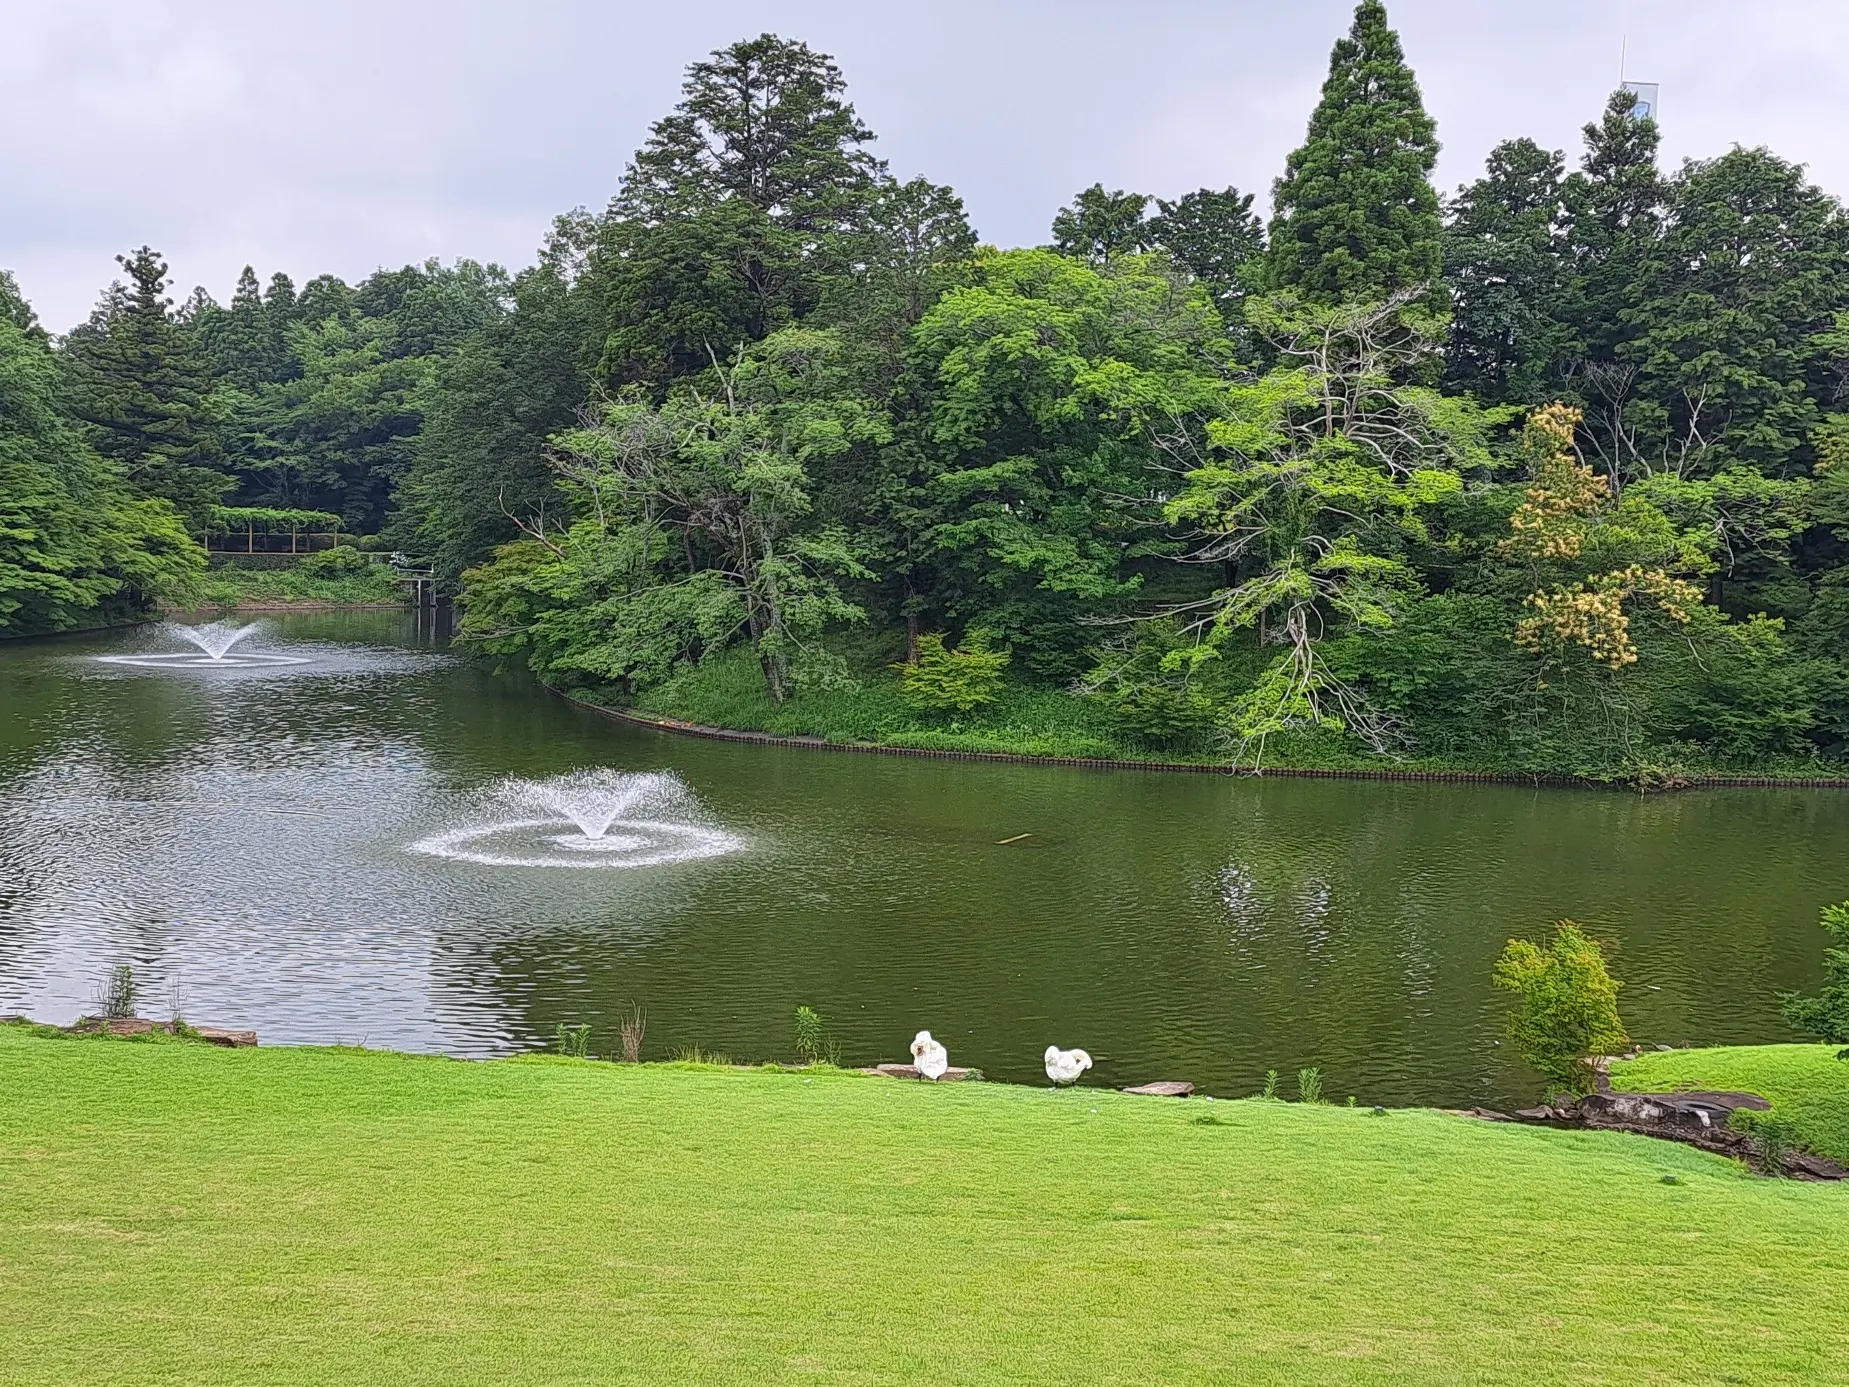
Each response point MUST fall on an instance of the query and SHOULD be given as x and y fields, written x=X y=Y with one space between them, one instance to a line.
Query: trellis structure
x=304 y=530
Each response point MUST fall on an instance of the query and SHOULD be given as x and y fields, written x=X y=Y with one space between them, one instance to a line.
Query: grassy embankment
x=283 y=587
x=172 y=1213
x=1806 y=1084
x=727 y=690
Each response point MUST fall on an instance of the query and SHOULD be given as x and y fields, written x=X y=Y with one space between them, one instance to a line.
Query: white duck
x=1065 y=1066
x=931 y=1058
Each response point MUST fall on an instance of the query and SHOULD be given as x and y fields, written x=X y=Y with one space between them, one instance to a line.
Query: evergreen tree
x=142 y=385
x=1504 y=263
x=323 y=297
x=1614 y=208
x=766 y=121
x=71 y=540
x=1749 y=270
x=1355 y=217
x=1215 y=236
x=241 y=340
x=1099 y=225
x=481 y=457
x=14 y=308
x=725 y=227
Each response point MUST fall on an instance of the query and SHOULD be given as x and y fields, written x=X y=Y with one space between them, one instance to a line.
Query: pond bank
x=631 y=1220
x=727 y=734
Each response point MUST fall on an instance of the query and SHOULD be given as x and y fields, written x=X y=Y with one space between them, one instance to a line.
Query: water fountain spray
x=622 y=819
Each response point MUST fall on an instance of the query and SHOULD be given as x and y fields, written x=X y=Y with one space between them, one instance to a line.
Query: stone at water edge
x=910 y=1071
x=1164 y=1088
x=140 y=1025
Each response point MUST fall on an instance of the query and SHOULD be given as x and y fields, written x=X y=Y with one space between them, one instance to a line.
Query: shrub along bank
x=180 y=1213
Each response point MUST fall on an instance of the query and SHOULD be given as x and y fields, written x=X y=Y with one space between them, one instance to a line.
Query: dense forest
x=1546 y=475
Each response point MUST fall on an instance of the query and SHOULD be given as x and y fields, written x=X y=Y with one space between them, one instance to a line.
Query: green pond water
x=329 y=852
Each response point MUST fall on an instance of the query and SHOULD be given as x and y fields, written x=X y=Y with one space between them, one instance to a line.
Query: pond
x=330 y=851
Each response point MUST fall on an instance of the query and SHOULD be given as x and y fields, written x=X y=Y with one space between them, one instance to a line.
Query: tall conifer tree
x=1355 y=216
x=143 y=386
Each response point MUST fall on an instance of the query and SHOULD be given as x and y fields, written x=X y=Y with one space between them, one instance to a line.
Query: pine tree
x=1215 y=236
x=71 y=541
x=14 y=308
x=766 y=121
x=1615 y=217
x=1099 y=225
x=142 y=385
x=1615 y=206
x=1355 y=217
x=1749 y=270
x=1505 y=265
x=729 y=219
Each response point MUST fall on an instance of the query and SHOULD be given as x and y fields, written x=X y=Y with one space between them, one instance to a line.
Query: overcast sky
x=341 y=135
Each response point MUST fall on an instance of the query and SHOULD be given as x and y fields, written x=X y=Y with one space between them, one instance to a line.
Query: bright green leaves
x=1052 y=382
x=1566 y=1010
x=1315 y=479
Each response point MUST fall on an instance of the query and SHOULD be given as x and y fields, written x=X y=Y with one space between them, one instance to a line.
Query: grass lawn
x=173 y=1213
x=1805 y=1083
x=228 y=587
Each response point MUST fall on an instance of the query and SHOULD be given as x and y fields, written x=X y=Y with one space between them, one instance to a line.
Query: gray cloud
x=339 y=136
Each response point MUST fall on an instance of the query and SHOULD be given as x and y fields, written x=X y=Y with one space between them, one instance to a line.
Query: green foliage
x=341 y=561
x=144 y=390
x=1776 y=1134
x=115 y=999
x=1310 y=1085
x=1051 y=383
x=1217 y=238
x=1355 y=218
x=371 y=585
x=960 y=680
x=573 y=1041
x=1313 y=482
x=1567 y=1005
x=1504 y=263
x=1100 y=226
x=1826 y=1016
x=813 y=1044
x=268 y=520
x=75 y=545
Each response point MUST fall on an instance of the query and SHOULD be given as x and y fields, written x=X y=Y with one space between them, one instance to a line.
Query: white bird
x=1065 y=1066
x=931 y=1058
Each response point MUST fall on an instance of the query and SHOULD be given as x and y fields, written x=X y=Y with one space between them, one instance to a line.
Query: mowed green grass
x=1805 y=1083
x=179 y=1214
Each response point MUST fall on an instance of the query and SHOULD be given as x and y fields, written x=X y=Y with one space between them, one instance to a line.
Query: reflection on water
x=247 y=839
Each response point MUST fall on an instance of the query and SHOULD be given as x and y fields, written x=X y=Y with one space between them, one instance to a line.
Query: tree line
x=1545 y=474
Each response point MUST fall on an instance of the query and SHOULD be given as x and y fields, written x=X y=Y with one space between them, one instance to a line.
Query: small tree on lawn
x=1568 y=1005
x=1827 y=1016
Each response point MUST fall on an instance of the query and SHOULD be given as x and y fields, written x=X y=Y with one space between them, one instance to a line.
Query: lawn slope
x=1805 y=1083
x=179 y=1214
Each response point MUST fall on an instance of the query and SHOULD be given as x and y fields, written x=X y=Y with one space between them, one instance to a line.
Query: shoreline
x=314 y=605
x=1537 y=781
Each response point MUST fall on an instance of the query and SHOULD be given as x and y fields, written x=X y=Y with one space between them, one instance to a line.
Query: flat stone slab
x=140 y=1025
x=1694 y=1112
x=910 y=1071
x=1165 y=1088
